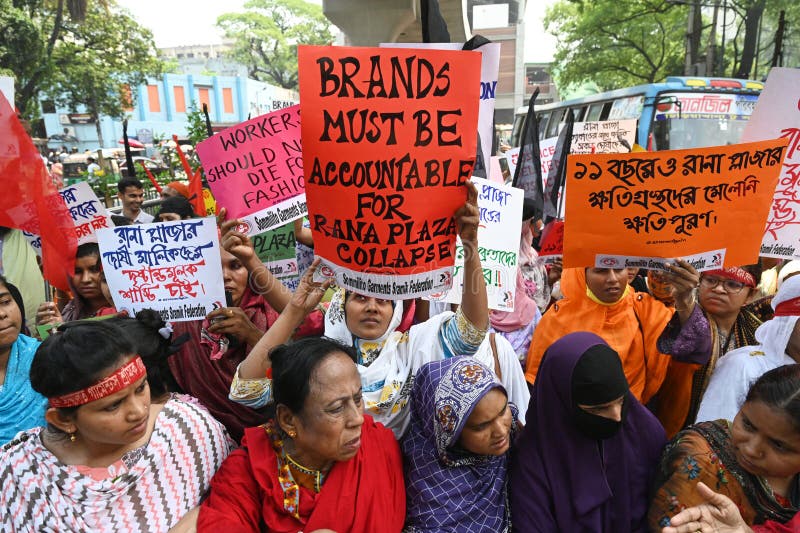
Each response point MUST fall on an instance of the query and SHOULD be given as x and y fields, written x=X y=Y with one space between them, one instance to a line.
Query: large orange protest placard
x=389 y=141
x=711 y=203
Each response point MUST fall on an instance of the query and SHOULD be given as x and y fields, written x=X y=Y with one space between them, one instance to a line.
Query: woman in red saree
x=319 y=464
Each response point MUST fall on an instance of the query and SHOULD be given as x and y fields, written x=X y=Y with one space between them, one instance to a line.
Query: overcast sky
x=184 y=22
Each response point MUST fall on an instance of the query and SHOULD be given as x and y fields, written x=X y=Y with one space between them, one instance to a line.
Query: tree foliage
x=622 y=43
x=616 y=43
x=266 y=36
x=77 y=53
x=114 y=56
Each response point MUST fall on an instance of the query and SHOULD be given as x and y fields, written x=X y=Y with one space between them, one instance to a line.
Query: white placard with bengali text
x=777 y=114
x=171 y=267
x=499 y=231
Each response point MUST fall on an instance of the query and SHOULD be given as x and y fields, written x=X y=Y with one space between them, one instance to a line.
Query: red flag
x=31 y=202
x=195 y=182
x=150 y=176
x=196 y=193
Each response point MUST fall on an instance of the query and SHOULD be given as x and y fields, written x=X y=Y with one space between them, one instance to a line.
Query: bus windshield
x=678 y=133
x=692 y=120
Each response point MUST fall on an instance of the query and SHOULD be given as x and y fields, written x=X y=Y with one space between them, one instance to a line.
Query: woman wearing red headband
x=109 y=459
x=723 y=295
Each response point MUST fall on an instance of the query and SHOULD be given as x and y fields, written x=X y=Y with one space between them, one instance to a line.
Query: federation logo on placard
x=716 y=260
x=609 y=262
x=243 y=227
x=326 y=271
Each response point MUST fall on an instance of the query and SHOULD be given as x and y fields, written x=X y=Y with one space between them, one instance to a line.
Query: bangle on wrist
x=689 y=307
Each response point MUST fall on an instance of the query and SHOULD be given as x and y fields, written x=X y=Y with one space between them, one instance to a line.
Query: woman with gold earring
x=109 y=459
x=320 y=463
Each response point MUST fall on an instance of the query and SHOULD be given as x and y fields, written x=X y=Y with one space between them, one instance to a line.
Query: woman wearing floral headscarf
x=456 y=449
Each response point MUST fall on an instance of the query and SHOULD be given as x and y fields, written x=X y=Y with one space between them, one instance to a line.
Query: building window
x=48 y=106
x=152 y=98
x=203 y=98
x=227 y=100
x=180 y=99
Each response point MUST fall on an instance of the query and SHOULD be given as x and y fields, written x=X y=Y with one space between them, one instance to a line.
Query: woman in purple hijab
x=589 y=450
x=456 y=450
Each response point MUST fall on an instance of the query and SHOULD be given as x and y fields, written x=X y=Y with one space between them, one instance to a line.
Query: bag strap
x=497 y=369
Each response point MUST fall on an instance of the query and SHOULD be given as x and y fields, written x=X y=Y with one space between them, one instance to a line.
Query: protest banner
x=603 y=137
x=777 y=114
x=670 y=204
x=389 y=143
x=255 y=170
x=276 y=249
x=551 y=244
x=495 y=170
x=490 y=68
x=500 y=226
x=171 y=267
x=587 y=138
x=86 y=211
x=34 y=240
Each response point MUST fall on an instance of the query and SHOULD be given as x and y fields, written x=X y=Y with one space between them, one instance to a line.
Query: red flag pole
x=150 y=176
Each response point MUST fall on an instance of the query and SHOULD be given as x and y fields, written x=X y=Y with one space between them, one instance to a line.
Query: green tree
x=266 y=36
x=616 y=43
x=77 y=52
x=114 y=56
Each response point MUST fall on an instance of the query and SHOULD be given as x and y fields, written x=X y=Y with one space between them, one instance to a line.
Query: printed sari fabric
x=251 y=492
x=159 y=483
x=704 y=452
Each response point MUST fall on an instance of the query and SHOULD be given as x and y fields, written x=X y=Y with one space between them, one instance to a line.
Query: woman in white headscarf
x=779 y=344
x=387 y=358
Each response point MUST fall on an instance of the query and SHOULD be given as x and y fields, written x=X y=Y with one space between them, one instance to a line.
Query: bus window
x=580 y=112
x=516 y=131
x=606 y=111
x=542 y=122
x=594 y=112
x=555 y=120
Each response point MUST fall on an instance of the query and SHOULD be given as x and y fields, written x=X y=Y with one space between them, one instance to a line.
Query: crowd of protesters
x=607 y=401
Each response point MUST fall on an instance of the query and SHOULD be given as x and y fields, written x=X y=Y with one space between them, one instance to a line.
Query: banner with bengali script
x=551 y=243
x=670 y=204
x=777 y=114
x=276 y=249
x=388 y=144
x=171 y=267
x=498 y=245
x=88 y=214
x=255 y=170
x=603 y=137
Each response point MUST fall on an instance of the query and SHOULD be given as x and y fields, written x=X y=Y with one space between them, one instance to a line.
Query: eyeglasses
x=730 y=286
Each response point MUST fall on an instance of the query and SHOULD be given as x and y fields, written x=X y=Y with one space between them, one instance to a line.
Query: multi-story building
x=371 y=22
x=209 y=59
x=537 y=75
x=161 y=108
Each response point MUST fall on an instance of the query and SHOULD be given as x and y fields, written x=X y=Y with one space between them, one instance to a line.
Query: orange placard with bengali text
x=389 y=140
x=676 y=203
